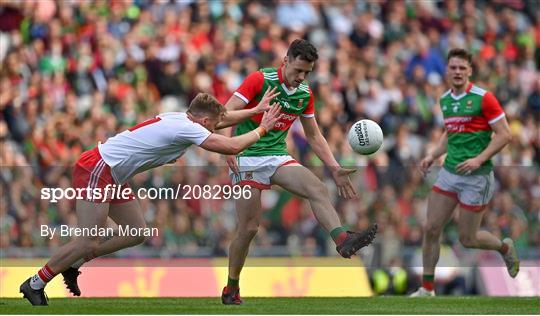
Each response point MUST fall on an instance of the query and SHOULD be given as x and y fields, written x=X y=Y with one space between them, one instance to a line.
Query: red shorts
x=93 y=175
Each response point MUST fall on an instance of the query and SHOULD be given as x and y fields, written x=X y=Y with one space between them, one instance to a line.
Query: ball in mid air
x=365 y=137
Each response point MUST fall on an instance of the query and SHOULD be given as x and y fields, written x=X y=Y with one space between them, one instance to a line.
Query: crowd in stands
x=74 y=73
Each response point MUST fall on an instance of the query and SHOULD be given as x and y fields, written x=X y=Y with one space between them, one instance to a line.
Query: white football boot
x=421 y=292
x=510 y=258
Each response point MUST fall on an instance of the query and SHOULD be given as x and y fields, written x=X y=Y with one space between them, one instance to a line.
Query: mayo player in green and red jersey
x=267 y=162
x=476 y=129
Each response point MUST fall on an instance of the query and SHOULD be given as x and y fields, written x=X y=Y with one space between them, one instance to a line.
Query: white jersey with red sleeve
x=151 y=144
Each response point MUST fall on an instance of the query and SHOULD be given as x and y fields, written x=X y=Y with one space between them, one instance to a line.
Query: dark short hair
x=460 y=53
x=303 y=49
x=205 y=104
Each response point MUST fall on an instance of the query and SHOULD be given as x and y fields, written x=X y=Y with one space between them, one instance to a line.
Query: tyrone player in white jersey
x=147 y=145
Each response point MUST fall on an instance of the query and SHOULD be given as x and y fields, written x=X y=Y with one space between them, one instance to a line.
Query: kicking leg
x=249 y=213
x=301 y=181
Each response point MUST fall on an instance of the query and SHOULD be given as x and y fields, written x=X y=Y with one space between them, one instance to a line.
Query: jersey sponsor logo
x=285 y=121
x=288 y=117
x=466 y=124
x=458 y=119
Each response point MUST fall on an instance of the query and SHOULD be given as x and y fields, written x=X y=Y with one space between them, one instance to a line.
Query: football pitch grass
x=312 y=305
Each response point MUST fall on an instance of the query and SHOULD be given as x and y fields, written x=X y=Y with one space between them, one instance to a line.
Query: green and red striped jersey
x=467 y=118
x=294 y=102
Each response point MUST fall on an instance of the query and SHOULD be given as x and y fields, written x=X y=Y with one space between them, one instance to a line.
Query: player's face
x=296 y=70
x=458 y=71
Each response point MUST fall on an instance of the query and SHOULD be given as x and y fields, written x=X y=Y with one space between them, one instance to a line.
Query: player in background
x=147 y=145
x=471 y=116
x=268 y=161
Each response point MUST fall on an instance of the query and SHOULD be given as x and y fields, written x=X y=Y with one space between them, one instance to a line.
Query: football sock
x=504 y=248
x=427 y=281
x=43 y=276
x=339 y=234
x=232 y=283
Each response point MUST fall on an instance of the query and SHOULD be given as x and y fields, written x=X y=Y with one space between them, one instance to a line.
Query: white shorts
x=256 y=171
x=472 y=192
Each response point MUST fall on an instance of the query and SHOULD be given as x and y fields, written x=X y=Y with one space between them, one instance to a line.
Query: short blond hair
x=206 y=104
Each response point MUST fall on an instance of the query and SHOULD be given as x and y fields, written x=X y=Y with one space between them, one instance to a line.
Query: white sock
x=78 y=263
x=37 y=283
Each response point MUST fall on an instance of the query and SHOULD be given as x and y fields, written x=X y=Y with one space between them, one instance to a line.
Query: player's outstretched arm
x=234 y=145
x=234 y=115
x=501 y=138
x=322 y=150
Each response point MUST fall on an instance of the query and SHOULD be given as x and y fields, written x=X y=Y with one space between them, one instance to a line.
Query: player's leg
x=249 y=212
x=89 y=215
x=440 y=207
x=471 y=236
x=301 y=181
x=476 y=194
x=123 y=214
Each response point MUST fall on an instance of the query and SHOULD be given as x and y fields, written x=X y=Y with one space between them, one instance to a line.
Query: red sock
x=428 y=281
x=340 y=238
x=46 y=274
x=504 y=248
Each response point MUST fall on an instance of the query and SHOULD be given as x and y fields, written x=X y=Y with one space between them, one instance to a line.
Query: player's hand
x=343 y=182
x=425 y=164
x=271 y=117
x=233 y=164
x=264 y=104
x=468 y=166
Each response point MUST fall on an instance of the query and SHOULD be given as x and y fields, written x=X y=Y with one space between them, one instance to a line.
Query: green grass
x=312 y=305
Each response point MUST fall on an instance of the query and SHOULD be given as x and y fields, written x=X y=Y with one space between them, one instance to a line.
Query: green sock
x=336 y=232
x=428 y=277
x=232 y=282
